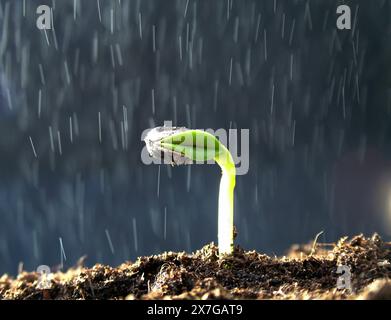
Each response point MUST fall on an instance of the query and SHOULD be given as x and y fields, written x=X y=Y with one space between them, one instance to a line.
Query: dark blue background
x=335 y=177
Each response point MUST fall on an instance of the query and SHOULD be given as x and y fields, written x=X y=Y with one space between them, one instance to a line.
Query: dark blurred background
x=317 y=101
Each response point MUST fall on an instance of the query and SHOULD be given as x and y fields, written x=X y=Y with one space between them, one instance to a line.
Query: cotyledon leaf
x=196 y=145
x=179 y=145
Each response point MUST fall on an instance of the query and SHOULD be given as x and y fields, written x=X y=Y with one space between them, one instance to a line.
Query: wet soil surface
x=306 y=272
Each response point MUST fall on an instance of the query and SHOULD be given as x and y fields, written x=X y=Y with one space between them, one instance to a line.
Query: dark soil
x=307 y=272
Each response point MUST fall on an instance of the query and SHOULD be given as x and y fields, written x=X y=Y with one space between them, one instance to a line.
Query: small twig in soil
x=314 y=244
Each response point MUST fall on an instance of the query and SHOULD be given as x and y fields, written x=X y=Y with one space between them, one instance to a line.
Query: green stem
x=225 y=233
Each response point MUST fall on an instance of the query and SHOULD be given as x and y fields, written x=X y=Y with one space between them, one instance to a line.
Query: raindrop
x=119 y=54
x=9 y=99
x=230 y=71
x=291 y=68
x=180 y=47
x=32 y=146
x=62 y=253
x=109 y=241
x=257 y=28
x=112 y=21
x=293 y=133
x=41 y=74
x=134 y=224
x=100 y=127
x=59 y=142
x=112 y=56
x=46 y=37
x=70 y=130
x=68 y=76
x=153 y=38
x=187 y=4
x=99 y=12
x=51 y=138
x=272 y=101
x=39 y=102
x=307 y=15
x=140 y=27
x=236 y=30
x=216 y=92
x=292 y=31
x=74 y=9
x=153 y=101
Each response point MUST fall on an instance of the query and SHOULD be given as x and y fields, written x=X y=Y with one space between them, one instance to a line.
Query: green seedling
x=184 y=146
